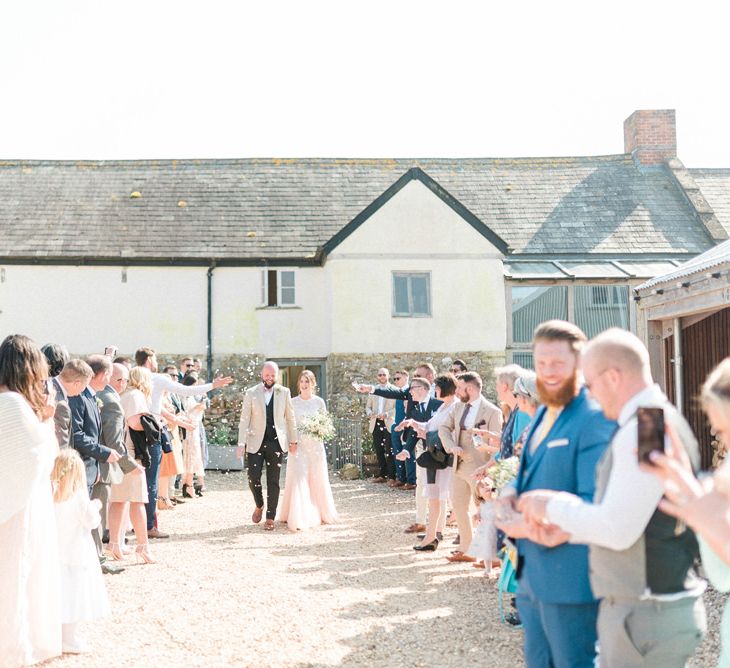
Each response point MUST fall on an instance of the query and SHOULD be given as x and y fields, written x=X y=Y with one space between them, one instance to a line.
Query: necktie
x=547 y=422
x=462 y=422
x=423 y=407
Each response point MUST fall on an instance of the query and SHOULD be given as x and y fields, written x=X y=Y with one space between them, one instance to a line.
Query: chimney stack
x=650 y=135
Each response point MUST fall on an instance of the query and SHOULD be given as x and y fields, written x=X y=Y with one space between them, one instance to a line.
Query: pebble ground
x=226 y=593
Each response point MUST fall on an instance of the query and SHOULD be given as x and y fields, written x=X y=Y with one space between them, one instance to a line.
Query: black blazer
x=86 y=426
x=420 y=416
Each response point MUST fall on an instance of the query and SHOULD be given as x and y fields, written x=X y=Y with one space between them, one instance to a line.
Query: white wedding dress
x=307 y=500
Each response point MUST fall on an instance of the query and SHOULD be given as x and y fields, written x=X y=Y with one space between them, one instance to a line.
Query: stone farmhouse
x=344 y=265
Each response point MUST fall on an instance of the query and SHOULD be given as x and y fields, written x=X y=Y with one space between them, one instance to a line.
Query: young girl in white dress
x=484 y=543
x=83 y=594
x=307 y=500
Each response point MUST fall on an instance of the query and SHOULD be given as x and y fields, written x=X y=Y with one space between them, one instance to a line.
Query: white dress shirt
x=162 y=383
x=268 y=394
x=631 y=496
x=471 y=416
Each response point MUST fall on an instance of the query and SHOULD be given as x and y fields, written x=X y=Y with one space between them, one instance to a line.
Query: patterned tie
x=462 y=422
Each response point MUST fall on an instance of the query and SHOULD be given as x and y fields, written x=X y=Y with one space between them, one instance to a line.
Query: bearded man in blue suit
x=566 y=440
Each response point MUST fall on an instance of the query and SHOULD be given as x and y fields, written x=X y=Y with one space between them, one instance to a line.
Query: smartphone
x=111 y=351
x=650 y=432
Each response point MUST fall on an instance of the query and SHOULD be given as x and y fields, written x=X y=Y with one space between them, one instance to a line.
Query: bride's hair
x=68 y=474
x=310 y=377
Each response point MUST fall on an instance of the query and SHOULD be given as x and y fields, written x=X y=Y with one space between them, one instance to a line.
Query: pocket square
x=558 y=442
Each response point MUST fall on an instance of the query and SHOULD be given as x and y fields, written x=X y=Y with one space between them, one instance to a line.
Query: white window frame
x=279 y=289
x=409 y=275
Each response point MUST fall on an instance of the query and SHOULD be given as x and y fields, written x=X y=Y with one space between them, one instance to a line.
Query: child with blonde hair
x=83 y=594
x=484 y=543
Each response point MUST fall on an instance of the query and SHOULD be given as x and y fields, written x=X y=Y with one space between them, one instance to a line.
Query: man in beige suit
x=266 y=431
x=456 y=436
x=381 y=413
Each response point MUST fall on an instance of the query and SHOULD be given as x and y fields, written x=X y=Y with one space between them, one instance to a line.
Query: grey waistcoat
x=659 y=562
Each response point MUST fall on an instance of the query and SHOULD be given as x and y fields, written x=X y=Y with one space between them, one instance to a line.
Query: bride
x=307 y=498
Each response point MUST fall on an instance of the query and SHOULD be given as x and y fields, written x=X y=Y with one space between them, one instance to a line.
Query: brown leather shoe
x=415 y=528
x=392 y=483
x=408 y=487
x=378 y=479
x=461 y=557
x=398 y=483
x=269 y=525
x=257 y=515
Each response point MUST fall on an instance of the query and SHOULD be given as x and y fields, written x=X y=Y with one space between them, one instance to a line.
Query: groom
x=266 y=431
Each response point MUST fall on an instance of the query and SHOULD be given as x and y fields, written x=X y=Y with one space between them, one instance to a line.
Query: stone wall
x=342 y=369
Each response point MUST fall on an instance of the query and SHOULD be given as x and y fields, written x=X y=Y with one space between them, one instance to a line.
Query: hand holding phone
x=650 y=432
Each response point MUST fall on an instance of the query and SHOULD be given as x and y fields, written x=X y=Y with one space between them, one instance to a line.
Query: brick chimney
x=650 y=135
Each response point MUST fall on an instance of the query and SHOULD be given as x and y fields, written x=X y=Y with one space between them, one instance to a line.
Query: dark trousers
x=383 y=449
x=270 y=452
x=396 y=445
x=558 y=635
x=151 y=473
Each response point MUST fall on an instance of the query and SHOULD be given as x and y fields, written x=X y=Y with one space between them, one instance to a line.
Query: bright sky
x=202 y=79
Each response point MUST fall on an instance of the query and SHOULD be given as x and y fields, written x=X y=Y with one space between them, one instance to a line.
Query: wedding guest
x=187 y=365
x=516 y=421
x=56 y=355
x=70 y=382
x=528 y=403
x=425 y=408
x=192 y=450
x=458 y=366
x=146 y=357
x=631 y=542
x=484 y=543
x=121 y=359
x=113 y=435
x=456 y=435
x=30 y=603
x=566 y=440
x=704 y=505
x=381 y=414
x=109 y=471
x=405 y=472
x=133 y=488
x=423 y=370
x=437 y=483
x=83 y=594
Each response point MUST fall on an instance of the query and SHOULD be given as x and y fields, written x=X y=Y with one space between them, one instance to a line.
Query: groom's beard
x=268 y=385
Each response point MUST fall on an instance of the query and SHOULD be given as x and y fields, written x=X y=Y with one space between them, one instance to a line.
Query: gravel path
x=226 y=593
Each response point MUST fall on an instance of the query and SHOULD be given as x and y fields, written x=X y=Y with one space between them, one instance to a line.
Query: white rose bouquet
x=319 y=426
x=504 y=471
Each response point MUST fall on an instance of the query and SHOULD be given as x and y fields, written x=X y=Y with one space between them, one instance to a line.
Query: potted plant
x=222 y=448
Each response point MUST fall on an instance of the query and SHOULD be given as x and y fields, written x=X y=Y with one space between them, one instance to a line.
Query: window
x=277 y=288
x=533 y=304
x=594 y=307
x=411 y=294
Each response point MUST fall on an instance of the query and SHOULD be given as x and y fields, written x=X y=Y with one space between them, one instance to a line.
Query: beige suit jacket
x=252 y=424
x=450 y=431
x=371 y=410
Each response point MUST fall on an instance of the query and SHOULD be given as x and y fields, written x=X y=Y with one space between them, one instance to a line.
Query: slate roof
x=715 y=186
x=285 y=210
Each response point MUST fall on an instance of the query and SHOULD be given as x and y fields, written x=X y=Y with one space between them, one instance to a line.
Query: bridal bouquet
x=504 y=471
x=319 y=426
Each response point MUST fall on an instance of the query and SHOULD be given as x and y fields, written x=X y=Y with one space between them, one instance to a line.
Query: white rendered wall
x=242 y=326
x=416 y=231
x=87 y=308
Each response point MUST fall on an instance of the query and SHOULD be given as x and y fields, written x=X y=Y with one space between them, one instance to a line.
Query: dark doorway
x=291 y=368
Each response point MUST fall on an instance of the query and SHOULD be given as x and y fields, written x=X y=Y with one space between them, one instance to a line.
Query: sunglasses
x=382 y=375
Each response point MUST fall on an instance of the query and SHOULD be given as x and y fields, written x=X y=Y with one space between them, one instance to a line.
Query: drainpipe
x=678 y=364
x=210 y=323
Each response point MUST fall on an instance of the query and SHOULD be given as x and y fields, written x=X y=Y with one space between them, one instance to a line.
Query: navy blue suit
x=86 y=426
x=419 y=415
x=554 y=598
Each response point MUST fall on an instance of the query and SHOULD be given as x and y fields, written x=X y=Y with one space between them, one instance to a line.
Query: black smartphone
x=650 y=432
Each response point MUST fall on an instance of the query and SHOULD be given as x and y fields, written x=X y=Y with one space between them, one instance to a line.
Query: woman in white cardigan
x=30 y=604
